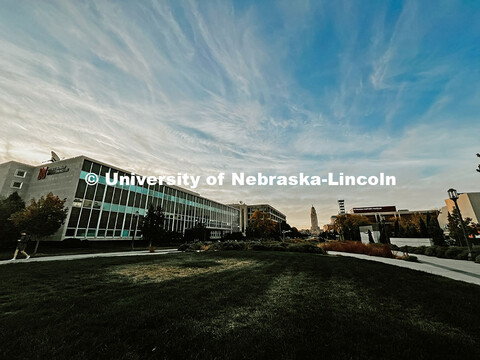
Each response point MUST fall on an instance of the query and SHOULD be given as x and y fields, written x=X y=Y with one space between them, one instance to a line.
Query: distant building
x=469 y=204
x=246 y=211
x=377 y=213
x=104 y=212
x=314 y=221
x=331 y=226
x=341 y=207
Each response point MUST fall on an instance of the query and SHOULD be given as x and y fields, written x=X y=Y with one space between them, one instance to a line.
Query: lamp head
x=452 y=194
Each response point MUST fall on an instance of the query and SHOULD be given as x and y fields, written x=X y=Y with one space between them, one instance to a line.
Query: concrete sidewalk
x=461 y=270
x=22 y=260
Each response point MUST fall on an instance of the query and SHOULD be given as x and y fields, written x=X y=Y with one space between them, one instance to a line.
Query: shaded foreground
x=234 y=305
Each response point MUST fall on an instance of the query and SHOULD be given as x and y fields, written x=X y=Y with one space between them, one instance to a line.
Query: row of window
x=103 y=211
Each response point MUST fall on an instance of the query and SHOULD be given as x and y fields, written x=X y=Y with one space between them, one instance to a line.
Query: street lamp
x=136 y=225
x=452 y=193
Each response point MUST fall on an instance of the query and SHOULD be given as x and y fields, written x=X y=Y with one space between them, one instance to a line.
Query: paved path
x=454 y=269
x=22 y=260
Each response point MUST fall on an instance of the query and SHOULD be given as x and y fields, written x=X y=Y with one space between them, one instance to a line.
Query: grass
x=234 y=305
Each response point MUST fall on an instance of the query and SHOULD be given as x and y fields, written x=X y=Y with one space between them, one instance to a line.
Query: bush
x=431 y=251
x=194 y=246
x=411 y=258
x=420 y=250
x=294 y=246
x=440 y=251
x=463 y=255
x=306 y=248
x=477 y=259
x=407 y=249
x=453 y=252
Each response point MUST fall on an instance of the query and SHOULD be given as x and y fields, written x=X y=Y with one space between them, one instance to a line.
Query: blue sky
x=279 y=87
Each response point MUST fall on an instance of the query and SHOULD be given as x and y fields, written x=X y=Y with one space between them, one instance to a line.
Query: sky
x=278 y=87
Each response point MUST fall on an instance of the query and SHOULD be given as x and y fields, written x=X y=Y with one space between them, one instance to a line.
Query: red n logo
x=42 y=174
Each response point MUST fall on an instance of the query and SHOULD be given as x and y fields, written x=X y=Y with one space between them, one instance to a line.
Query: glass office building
x=104 y=212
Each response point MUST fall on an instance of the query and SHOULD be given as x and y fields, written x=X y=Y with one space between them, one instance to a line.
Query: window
x=95 y=168
x=99 y=193
x=84 y=218
x=80 y=189
x=20 y=173
x=109 y=194
x=87 y=165
x=74 y=215
x=17 y=184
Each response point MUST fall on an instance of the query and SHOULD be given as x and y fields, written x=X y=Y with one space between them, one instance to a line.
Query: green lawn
x=234 y=305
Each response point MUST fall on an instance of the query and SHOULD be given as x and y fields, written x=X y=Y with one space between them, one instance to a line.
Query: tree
x=153 y=225
x=41 y=218
x=455 y=228
x=423 y=229
x=348 y=225
x=8 y=231
x=199 y=232
x=435 y=232
x=261 y=226
x=370 y=237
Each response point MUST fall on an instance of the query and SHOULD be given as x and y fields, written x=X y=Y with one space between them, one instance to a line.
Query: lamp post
x=453 y=195
x=136 y=225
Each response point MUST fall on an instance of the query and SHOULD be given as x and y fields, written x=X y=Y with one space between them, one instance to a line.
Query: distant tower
x=341 y=207
x=313 y=217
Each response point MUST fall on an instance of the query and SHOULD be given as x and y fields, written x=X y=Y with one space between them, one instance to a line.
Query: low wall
x=411 y=241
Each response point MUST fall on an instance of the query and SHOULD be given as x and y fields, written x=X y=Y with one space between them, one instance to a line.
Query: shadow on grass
x=279 y=305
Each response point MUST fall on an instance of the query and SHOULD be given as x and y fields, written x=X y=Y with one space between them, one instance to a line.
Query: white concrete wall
x=411 y=241
x=364 y=234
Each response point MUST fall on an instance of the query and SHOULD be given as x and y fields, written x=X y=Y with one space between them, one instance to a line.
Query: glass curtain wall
x=105 y=212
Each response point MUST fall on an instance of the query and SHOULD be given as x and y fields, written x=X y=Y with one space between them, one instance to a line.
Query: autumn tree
x=41 y=218
x=8 y=231
x=262 y=226
x=348 y=225
x=455 y=228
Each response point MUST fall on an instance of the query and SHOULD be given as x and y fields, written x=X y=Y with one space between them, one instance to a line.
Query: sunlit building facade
x=246 y=212
x=104 y=212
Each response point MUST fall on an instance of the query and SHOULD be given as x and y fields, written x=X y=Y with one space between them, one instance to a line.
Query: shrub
x=227 y=245
x=477 y=259
x=294 y=246
x=411 y=258
x=440 y=251
x=407 y=249
x=183 y=247
x=420 y=250
x=453 y=252
x=256 y=245
x=306 y=248
x=431 y=251
x=462 y=255
x=195 y=246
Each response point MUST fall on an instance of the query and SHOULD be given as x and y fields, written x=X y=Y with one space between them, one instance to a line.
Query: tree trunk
x=36 y=247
